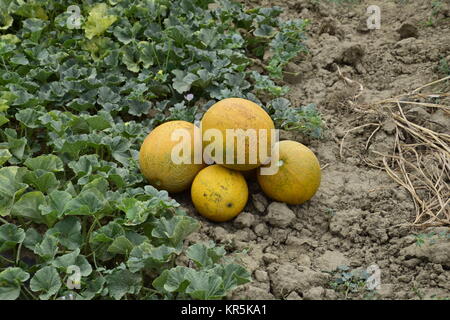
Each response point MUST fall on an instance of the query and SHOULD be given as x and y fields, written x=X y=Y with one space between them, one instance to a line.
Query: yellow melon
x=298 y=176
x=156 y=157
x=234 y=114
x=218 y=193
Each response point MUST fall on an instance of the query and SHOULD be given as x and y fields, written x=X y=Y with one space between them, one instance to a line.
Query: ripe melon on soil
x=237 y=113
x=218 y=193
x=155 y=158
x=298 y=176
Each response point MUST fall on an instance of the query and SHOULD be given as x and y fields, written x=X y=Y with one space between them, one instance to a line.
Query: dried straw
x=421 y=166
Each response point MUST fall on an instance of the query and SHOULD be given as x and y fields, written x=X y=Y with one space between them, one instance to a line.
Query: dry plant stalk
x=420 y=160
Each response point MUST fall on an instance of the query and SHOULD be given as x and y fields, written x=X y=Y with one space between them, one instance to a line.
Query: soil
x=357 y=218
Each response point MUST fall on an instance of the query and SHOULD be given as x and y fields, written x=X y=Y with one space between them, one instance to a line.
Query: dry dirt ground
x=356 y=218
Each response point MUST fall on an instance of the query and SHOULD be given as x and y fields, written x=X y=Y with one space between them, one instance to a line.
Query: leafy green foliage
x=11 y=279
x=303 y=119
x=444 y=67
x=76 y=102
x=209 y=280
x=348 y=281
x=431 y=237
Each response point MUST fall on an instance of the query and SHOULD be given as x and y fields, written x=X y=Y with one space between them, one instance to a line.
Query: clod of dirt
x=362 y=26
x=221 y=235
x=244 y=220
x=244 y=235
x=260 y=202
x=419 y=114
x=293 y=296
x=261 y=230
x=386 y=290
x=330 y=260
x=351 y=54
x=288 y=278
x=389 y=127
x=251 y=292
x=441 y=121
x=345 y=223
x=303 y=260
x=329 y=25
x=279 y=215
x=268 y=54
x=261 y=275
x=436 y=252
x=269 y=258
x=315 y=293
x=408 y=30
x=445 y=10
x=292 y=73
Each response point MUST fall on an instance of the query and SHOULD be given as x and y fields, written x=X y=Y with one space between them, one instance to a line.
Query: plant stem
x=18 y=253
x=6 y=259
x=30 y=293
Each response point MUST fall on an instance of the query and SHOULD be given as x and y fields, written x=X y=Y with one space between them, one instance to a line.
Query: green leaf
x=56 y=202
x=68 y=232
x=173 y=280
x=183 y=81
x=11 y=187
x=98 y=21
x=136 y=211
x=66 y=260
x=89 y=202
x=48 y=248
x=146 y=53
x=138 y=108
x=205 y=255
x=122 y=282
x=99 y=122
x=102 y=238
x=28 y=207
x=120 y=245
x=41 y=180
x=10 y=282
x=120 y=148
x=15 y=145
x=200 y=285
x=97 y=185
x=234 y=275
x=49 y=163
x=46 y=281
x=205 y=286
x=10 y=236
x=149 y=257
x=20 y=59
x=94 y=286
x=3 y=120
x=265 y=31
x=29 y=117
x=5 y=155
x=130 y=57
x=73 y=259
x=34 y=25
x=127 y=33
x=6 y=21
x=174 y=230
x=85 y=165
x=32 y=239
